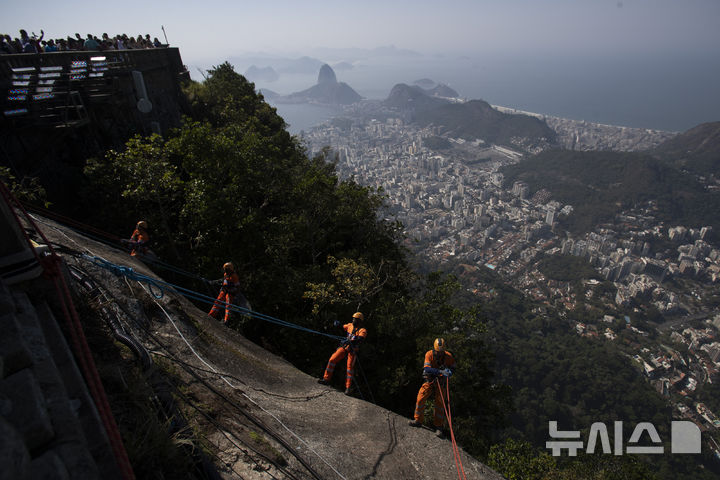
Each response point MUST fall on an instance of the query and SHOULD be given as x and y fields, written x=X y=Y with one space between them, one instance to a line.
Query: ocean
x=659 y=91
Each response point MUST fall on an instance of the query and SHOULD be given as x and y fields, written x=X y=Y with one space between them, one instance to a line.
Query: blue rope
x=159 y=263
x=160 y=286
x=145 y=258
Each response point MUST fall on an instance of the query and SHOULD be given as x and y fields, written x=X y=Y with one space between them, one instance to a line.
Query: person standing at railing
x=6 y=45
x=50 y=46
x=30 y=45
x=91 y=43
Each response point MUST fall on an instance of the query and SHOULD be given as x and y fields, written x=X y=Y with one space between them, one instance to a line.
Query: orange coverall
x=139 y=240
x=230 y=288
x=433 y=383
x=350 y=350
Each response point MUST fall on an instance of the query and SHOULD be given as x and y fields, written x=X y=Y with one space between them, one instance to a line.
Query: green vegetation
x=697 y=150
x=600 y=184
x=437 y=143
x=232 y=184
x=566 y=268
x=517 y=460
x=477 y=119
x=28 y=189
x=265 y=445
x=151 y=438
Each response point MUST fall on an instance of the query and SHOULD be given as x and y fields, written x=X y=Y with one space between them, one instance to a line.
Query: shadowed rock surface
x=251 y=390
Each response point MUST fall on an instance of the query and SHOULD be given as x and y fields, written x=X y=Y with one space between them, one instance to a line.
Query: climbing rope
x=95 y=233
x=157 y=288
x=51 y=266
x=108 y=239
x=234 y=387
x=362 y=372
x=448 y=415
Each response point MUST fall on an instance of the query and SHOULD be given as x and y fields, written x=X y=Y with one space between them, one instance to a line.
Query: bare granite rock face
x=263 y=408
x=326 y=75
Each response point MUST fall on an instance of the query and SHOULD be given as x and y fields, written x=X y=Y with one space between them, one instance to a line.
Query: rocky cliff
x=258 y=416
x=327 y=91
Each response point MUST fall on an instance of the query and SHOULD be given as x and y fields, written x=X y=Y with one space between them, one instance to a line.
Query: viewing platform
x=66 y=89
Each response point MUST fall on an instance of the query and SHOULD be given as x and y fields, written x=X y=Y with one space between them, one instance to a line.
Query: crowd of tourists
x=38 y=44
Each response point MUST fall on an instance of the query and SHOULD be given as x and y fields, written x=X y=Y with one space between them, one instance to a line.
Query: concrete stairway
x=49 y=427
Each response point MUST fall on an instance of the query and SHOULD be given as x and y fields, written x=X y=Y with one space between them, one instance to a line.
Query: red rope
x=51 y=265
x=446 y=406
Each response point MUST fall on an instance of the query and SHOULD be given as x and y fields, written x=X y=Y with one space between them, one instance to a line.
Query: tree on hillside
x=232 y=184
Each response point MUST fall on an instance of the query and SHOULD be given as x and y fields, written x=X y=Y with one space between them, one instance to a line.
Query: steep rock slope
x=311 y=430
x=327 y=91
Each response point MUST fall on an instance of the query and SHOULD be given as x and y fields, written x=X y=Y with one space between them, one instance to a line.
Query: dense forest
x=477 y=119
x=601 y=184
x=231 y=184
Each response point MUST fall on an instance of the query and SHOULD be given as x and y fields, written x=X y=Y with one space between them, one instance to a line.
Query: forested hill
x=231 y=184
x=697 y=150
x=471 y=120
x=600 y=184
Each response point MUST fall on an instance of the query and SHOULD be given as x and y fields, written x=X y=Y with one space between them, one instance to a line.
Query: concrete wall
x=92 y=107
x=49 y=427
x=58 y=109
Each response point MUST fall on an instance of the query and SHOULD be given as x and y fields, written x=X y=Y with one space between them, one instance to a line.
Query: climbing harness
x=108 y=239
x=158 y=287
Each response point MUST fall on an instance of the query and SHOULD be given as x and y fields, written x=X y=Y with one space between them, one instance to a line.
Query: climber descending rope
x=349 y=347
x=109 y=239
x=157 y=287
x=438 y=367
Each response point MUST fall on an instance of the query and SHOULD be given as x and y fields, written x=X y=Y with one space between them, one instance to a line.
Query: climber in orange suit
x=438 y=367
x=139 y=239
x=348 y=347
x=229 y=289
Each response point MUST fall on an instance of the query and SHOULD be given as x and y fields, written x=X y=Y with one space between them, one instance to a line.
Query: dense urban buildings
x=458 y=210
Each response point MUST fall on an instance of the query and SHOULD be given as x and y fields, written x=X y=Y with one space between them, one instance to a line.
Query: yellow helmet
x=358 y=315
x=228 y=267
x=439 y=345
x=142 y=224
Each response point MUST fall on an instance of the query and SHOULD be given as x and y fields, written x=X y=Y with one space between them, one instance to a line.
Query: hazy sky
x=214 y=29
x=645 y=63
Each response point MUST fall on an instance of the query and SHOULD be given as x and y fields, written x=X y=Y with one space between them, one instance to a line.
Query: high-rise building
x=550 y=216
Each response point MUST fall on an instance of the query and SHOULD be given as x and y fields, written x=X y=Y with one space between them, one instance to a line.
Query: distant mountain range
x=436 y=89
x=412 y=99
x=281 y=65
x=309 y=64
x=265 y=74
